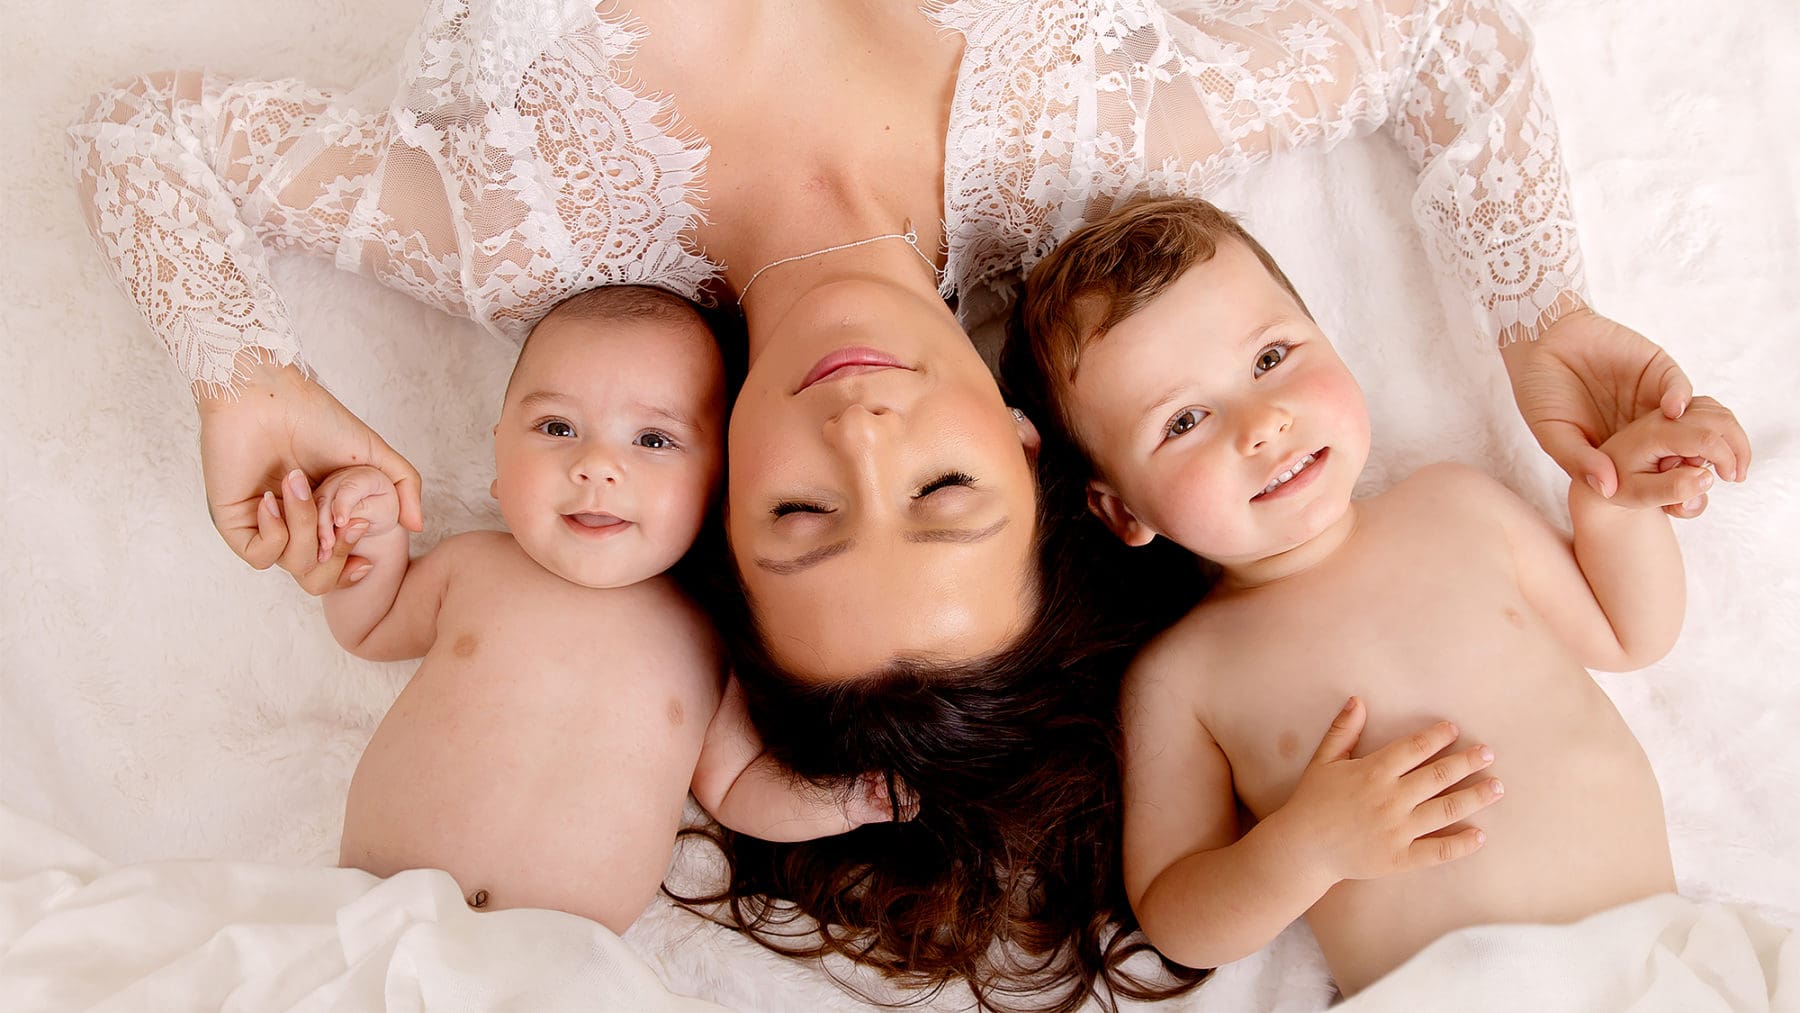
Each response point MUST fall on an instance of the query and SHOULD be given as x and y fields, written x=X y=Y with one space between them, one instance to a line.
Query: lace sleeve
x=1452 y=79
x=187 y=181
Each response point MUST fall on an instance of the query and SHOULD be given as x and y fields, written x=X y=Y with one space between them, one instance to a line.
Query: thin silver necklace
x=910 y=236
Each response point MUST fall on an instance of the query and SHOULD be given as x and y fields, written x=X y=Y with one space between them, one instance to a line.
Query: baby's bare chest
x=1431 y=626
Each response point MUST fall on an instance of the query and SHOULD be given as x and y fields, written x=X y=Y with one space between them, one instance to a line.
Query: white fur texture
x=160 y=699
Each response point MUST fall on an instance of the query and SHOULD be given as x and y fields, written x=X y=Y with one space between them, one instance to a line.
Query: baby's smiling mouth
x=1292 y=472
x=587 y=523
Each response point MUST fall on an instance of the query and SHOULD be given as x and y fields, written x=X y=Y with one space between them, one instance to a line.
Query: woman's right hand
x=250 y=445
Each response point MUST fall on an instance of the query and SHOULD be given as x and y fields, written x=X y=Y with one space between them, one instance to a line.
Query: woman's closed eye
x=947 y=480
x=795 y=506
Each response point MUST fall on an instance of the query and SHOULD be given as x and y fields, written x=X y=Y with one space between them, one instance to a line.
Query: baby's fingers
x=1454 y=806
x=1428 y=851
x=1403 y=754
x=1667 y=488
x=1432 y=778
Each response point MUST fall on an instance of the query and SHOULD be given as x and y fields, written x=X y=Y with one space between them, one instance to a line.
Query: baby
x=1215 y=414
x=569 y=693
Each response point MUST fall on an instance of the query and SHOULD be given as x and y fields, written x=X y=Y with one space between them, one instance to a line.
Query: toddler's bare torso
x=1420 y=614
x=543 y=750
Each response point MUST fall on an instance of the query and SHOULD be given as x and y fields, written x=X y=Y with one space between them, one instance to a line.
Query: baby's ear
x=1105 y=504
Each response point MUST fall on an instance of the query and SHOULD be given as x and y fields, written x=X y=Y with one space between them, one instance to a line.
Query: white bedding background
x=158 y=699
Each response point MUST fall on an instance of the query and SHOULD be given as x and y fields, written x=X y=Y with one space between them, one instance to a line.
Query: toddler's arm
x=1206 y=896
x=746 y=790
x=390 y=612
x=1616 y=591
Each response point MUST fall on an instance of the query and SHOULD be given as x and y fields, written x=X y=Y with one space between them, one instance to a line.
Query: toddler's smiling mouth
x=1295 y=475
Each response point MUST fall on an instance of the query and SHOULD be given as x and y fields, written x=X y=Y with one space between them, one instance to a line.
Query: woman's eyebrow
x=967 y=536
x=806 y=560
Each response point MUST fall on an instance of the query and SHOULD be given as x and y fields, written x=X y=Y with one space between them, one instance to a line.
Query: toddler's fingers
x=1404 y=754
x=1675 y=487
x=1725 y=422
x=1438 y=813
x=1427 y=851
x=1341 y=738
x=1445 y=771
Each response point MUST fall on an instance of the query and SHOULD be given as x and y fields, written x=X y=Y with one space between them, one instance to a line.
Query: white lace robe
x=517 y=163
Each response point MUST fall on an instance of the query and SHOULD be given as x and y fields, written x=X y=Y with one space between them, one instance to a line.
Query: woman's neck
x=785 y=288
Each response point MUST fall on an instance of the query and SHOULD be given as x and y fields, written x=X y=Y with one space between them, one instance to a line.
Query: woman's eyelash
x=944 y=481
x=794 y=506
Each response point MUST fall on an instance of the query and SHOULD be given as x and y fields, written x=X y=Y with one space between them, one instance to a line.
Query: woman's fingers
x=1676 y=391
x=1428 y=780
x=1437 y=850
x=301 y=556
x=264 y=545
x=406 y=482
x=1435 y=814
x=1568 y=445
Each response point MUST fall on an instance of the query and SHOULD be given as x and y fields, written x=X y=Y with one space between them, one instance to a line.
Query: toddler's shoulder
x=1174 y=655
x=1451 y=488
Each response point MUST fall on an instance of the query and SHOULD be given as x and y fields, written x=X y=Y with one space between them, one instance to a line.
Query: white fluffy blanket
x=159 y=700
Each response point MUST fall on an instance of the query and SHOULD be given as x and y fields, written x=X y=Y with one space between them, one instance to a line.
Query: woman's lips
x=595 y=525
x=846 y=362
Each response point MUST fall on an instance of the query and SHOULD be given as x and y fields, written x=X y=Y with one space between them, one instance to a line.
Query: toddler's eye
x=654 y=440
x=1270 y=357
x=555 y=427
x=1183 y=423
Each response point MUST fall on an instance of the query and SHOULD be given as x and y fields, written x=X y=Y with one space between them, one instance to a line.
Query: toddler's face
x=1195 y=407
x=610 y=446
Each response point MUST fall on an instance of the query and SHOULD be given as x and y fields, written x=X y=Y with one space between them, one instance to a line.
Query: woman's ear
x=494 y=488
x=1105 y=504
x=1028 y=436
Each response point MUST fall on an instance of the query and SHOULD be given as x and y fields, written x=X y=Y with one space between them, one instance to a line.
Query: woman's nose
x=858 y=427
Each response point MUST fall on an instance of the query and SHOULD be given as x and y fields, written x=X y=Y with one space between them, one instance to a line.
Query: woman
x=862 y=164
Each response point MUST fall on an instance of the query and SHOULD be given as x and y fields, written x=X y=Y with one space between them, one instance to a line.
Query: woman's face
x=880 y=495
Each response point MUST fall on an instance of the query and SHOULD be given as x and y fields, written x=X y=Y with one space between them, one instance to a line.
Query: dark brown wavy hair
x=1007 y=880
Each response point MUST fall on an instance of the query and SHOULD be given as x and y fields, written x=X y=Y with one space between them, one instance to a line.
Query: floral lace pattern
x=1065 y=108
x=518 y=164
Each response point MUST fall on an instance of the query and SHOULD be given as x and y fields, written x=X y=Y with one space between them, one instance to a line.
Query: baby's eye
x=1183 y=423
x=555 y=427
x=794 y=506
x=1271 y=357
x=654 y=440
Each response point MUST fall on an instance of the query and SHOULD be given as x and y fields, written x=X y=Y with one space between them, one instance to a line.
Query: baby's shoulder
x=1451 y=490
x=1179 y=655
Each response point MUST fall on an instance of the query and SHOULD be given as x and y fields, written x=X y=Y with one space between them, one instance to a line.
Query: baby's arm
x=1206 y=896
x=1616 y=591
x=390 y=612
x=746 y=790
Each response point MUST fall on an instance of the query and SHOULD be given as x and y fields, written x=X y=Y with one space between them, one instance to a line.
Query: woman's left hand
x=1586 y=378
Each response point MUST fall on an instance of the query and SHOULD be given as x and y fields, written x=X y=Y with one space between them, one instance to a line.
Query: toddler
x=1214 y=413
x=569 y=693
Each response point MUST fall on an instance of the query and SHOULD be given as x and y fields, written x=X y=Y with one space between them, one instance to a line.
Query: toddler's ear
x=1105 y=504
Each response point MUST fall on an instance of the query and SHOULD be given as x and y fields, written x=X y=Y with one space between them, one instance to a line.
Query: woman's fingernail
x=354 y=535
x=270 y=506
x=1594 y=484
x=297 y=482
x=1349 y=705
x=361 y=573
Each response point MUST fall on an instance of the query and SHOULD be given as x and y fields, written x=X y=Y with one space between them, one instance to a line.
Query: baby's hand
x=353 y=503
x=1371 y=817
x=869 y=801
x=1664 y=462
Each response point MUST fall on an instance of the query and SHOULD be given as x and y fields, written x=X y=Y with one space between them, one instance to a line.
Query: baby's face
x=1195 y=407
x=610 y=446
